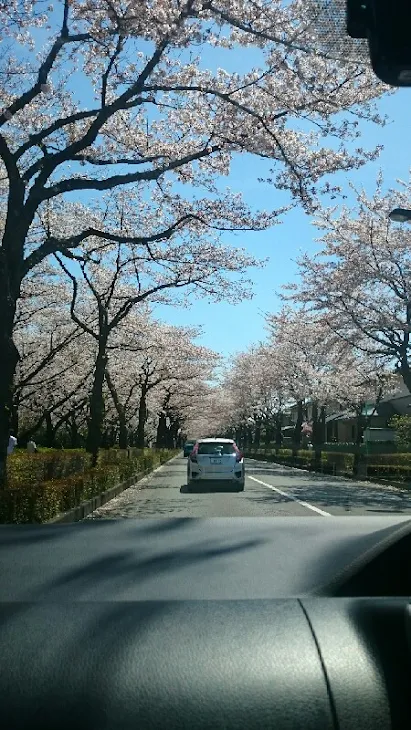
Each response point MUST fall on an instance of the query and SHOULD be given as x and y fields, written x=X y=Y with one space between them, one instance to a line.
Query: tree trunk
x=105 y=439
x=122 y=422
x=96 y=419
x=317 y=437
x=278 y=431
x=405 y=372
x=358 y=440
x=9 y=356
x=161 y=431
x=174 y=428
x=257 y=435
x=142 y=417
x=74 y=434
x=122 y=434
x=50 y=431
x=323 y=424
x=112 y=437
x=297 y=428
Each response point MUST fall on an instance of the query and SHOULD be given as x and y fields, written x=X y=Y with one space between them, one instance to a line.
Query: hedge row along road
x=270 y=490
x=49 y=484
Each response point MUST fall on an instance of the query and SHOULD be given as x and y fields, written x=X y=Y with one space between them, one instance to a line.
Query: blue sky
x=230 y=328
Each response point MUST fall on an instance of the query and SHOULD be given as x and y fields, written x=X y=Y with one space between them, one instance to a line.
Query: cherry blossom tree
x=115 y=94
x=252 y=397
x=302 y=363
x=115 y=283
x=168 y=364
x=129 y=344
x=302 y=344
x=360 y=279
x=360 y=379
x=52 y=370
x=205 y=410
x=148 y=363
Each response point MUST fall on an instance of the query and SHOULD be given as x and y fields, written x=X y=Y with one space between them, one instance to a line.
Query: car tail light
x=193 y=455
x=238 y=454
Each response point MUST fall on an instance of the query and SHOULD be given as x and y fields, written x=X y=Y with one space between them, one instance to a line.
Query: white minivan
x=216 y=460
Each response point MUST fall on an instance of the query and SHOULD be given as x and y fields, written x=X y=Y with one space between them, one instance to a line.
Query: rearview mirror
x=387 y=27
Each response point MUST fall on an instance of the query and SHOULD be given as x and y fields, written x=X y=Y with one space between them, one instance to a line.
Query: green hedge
x=387 y=466
x=398 y=473
x=114 y=456
x=305 y=458
x=33 y=469
x=36 y=501
x=25 y=469
x=371 y=447
x=390 y=459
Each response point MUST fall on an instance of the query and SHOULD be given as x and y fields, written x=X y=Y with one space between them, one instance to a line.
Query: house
x=341 y=424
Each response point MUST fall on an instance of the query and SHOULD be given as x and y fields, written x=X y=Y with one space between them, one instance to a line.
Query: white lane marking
x=290 y=496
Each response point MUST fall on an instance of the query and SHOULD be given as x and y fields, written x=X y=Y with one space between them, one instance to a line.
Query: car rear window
x=216 y=448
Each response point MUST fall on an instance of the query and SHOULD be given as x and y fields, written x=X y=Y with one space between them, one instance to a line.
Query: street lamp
x=400 y=215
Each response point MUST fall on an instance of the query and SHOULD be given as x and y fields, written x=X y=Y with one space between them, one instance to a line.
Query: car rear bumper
x=216 y=477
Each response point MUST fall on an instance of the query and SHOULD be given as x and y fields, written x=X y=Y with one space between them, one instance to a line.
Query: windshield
x=216 y=448
x=149 y=152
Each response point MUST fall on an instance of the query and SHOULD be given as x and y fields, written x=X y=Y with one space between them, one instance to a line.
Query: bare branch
x=63 y=245
x=63 y=39
x=74 y=317
x=69 y=185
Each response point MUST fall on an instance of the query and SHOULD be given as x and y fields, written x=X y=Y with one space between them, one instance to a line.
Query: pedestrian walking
x=32 y=447
x=12 y=443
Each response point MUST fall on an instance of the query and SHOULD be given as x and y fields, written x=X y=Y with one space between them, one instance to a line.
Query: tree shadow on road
x=324 y=490
x=349 y=497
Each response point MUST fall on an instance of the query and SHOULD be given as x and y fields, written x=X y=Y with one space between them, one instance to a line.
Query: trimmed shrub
x=398 y=472
x=25 y=469
x=342 y=462
x=384 y=466
x=36 y=501
x=390 y=459
x=305 y=459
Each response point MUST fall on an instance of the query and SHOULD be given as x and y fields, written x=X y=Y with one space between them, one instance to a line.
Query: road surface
x=270 y=490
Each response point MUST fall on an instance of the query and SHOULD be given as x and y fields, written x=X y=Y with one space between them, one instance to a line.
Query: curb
x=405 y=486
x=85 y=508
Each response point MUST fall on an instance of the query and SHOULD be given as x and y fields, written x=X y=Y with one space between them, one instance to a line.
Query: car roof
x=220 y=441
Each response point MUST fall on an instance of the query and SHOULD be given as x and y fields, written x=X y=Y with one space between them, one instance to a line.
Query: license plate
x=216 y=461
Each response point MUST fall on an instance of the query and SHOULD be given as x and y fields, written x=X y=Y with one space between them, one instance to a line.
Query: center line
x=290 y=496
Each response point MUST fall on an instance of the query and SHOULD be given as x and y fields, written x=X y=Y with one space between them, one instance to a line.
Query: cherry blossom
x=359 y=281
x=115 y=94
x=302 y=363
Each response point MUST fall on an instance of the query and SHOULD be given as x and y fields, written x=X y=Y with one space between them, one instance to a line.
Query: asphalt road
x=270 y=490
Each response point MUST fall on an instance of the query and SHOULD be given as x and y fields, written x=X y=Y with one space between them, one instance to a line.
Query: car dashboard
x=214 y=623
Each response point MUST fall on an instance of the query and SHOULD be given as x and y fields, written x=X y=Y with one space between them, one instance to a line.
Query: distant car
x=216 y=460
x=188 y=447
